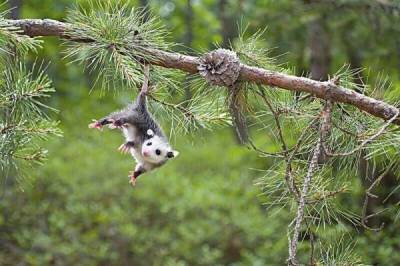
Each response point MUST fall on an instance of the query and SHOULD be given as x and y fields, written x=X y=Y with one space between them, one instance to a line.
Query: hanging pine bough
x=332 y=130
x=116 y=40
x=23 y=121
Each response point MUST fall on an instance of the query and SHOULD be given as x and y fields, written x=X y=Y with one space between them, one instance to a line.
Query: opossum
x=144 y=138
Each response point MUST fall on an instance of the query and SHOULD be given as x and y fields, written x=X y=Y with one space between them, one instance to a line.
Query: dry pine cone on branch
x=220 y=67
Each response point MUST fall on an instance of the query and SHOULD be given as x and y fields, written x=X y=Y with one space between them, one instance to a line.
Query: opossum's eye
x=149 y=143
x=158 y=152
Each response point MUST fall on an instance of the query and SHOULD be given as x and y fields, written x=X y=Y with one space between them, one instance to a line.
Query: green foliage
x=291 y=116
x=117 y=39
x=339 y=252
x=23 y=122
x=205 y=110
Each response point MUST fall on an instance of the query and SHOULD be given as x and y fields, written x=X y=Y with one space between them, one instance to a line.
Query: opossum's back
x=144 y=121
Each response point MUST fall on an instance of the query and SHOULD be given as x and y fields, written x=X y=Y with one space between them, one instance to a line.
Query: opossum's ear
x=172 y=154
x=150 y=132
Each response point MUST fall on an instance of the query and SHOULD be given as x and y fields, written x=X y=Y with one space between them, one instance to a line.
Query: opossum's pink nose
x=145 y=154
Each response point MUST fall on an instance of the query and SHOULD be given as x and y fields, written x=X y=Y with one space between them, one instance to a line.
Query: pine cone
x=220 y=67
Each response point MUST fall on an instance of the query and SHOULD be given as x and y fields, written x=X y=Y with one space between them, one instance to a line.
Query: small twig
x=312 y=247
x=345 y=130
x=37 y=156
x=276 y=118
x=367 y=141
x=326 y=124
x=287 y=110
x=368 y=195
x=270 y=154
x=6 y=128
x=186 y=112
x=324 y=195
x=288 y=175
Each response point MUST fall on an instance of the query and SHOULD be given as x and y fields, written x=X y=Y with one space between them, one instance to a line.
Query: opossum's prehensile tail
x=141 y=99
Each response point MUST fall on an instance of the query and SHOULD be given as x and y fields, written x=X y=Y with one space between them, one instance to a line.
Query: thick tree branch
x=324 y=90
x=41 y=27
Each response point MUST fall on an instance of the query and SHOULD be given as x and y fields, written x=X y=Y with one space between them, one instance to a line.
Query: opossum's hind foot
x=133 y=178
x=126 y=147
x=132 y=181
x=133 y=175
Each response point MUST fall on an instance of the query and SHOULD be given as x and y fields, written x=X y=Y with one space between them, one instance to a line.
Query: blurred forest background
x=203 y=208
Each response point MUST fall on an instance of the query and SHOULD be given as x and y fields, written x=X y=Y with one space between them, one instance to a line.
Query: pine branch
x=324 y=129
x=326 y=90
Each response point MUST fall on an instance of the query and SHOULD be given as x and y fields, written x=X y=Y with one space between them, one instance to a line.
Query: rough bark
x=321 y=89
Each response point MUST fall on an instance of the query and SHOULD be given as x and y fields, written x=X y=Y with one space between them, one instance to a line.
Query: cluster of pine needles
x=24 y=120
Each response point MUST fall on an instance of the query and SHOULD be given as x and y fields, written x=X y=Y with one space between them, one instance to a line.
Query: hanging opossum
x=144 y=138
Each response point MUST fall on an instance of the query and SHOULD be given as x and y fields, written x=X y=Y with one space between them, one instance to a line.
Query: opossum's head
x=157 y=150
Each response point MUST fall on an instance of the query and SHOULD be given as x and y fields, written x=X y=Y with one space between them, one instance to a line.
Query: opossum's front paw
x=126 y=147
x=96 y=124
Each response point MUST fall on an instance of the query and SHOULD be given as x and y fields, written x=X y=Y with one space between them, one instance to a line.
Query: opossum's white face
x=157 y=150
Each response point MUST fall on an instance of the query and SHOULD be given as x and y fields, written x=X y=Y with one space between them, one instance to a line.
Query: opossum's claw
x=124 y=148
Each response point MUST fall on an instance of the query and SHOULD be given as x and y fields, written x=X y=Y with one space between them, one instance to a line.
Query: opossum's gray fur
x=137 y=115
x=139 y=127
